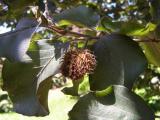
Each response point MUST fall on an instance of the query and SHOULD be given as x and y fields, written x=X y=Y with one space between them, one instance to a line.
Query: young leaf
x=119 y=62
x=14 y=45
x=29 y=83
x=120 y=104
x=80 y=15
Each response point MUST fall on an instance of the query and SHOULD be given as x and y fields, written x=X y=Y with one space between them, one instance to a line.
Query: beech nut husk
x=76 y=63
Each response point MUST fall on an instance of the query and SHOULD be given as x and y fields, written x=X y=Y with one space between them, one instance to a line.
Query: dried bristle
x=76 y=63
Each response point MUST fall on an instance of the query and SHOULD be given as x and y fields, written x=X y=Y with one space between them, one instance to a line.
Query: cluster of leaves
x=101 y=26
x=5 y=102
x=147 y=86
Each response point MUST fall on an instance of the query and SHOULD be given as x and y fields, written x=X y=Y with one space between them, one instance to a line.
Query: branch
x=147 y=40
x=156 y=116
x=66 y=32
x=71 y=33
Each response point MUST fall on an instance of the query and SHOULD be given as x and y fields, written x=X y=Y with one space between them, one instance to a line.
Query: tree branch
x=66 y=32
x=147 y=40
x=71 y=33
x=156 y=116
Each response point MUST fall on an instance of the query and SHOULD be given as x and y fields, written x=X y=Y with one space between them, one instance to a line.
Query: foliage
x=147 y=86
x=5 y=102
x=118 y=32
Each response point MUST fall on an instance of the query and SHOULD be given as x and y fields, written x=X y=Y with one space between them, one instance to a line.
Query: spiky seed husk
x=76 y=63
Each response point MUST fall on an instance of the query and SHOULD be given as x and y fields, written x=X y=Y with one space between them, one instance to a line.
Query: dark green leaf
x=80 y=15
x=120 y=104
x=13 y=45
x=119 y=61
x=110 y=26
x=28 y=83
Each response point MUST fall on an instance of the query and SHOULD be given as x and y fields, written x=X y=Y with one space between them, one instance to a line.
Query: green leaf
x=119 y=62
x=104 y=92
x=110 y=26
x=121 y=104
x=84 y=86
x=152 y=52
x=80 y=15
x=135 y=29
x=131 y=28
x=79 y=87
x=28 y=83
x=14 y=45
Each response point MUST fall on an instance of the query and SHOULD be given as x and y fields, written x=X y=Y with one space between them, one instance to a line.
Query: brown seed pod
x=76 y=63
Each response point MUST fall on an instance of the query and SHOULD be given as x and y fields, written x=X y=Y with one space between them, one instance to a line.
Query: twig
x=46 y=12
x=148 y=40
x=45 y=66
x=156 y=116
x=66 y=32
x=86 y=43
